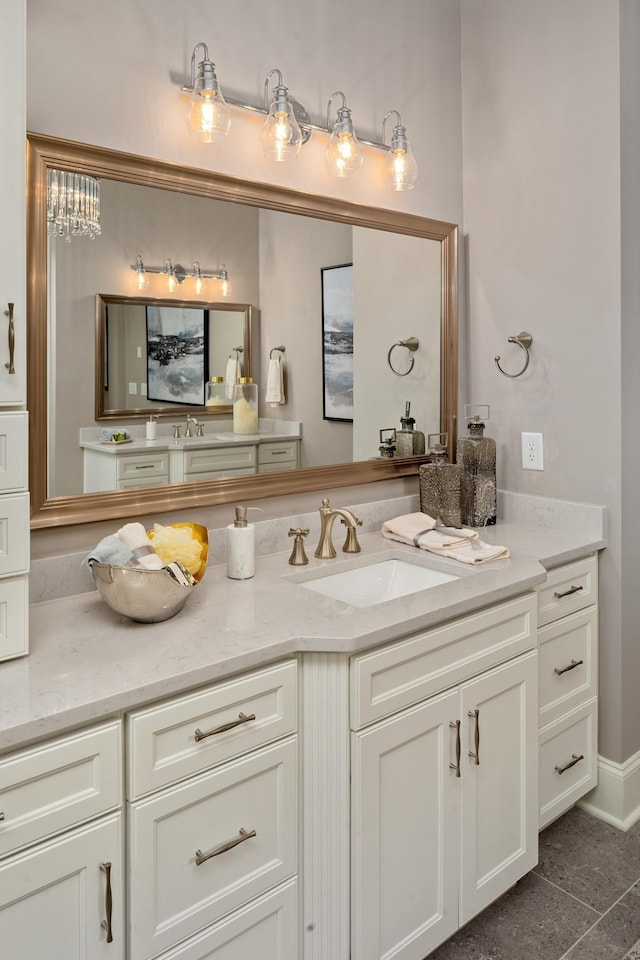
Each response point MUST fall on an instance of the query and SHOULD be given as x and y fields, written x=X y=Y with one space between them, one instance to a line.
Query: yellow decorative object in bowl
x=187 y=543
x=150 y=596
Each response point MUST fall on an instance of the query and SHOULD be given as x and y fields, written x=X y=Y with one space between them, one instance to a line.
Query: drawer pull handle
x=567 y=593
x=455 y=725
x=574 y=759
x=108 y=902
x=574 y=663
x=475 y=715
x=12 y=338
x=229 y=845
x=1 y=814
x=144 y=466
x=242 y=718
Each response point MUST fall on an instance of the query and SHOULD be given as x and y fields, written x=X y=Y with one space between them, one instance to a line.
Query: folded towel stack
x=231 y=376
x=461 y=544
x=275 y=381
x=134 y=536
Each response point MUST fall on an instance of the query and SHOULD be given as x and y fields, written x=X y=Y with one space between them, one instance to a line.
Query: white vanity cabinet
x=212 y=822
x=444 y=812
x=568 y=664
x=61 y=848
x=281 y=455
x=124 y=470
x=14 y=509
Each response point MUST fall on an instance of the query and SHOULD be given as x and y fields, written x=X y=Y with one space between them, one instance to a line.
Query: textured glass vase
x=476 y=457
x=439 y=483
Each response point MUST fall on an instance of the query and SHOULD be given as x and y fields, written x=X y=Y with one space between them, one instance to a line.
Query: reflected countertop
x=87 y=663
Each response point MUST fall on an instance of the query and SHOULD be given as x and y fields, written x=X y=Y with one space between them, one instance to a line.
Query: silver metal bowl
x=147 y=596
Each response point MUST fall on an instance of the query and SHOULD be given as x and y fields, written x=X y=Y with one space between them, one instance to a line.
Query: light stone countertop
x=87 y=663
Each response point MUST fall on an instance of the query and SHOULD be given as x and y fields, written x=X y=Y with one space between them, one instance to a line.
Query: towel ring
x=281 y=349
x=411 y=344
x=524 y=340
x=237 y=351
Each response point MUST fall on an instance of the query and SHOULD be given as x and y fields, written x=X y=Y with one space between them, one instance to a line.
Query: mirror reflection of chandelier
x=73 y=205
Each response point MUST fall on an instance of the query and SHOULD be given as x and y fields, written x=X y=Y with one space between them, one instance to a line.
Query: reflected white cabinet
x=444 y=811
x=14 y=515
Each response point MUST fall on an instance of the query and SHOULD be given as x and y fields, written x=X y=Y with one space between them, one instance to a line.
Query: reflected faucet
x=190 y=420
x=325 y=549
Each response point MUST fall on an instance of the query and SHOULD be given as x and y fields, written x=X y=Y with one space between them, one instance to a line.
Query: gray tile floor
x=581 y=902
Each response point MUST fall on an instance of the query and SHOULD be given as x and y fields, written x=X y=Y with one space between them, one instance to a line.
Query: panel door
x=499 y=816
x=13 y=344
x=405 y=833
x=54 y=898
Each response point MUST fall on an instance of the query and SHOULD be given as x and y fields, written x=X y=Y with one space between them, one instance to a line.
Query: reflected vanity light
x=288 y=126
x=400 y=167
x=176 y=274
x=73 y=205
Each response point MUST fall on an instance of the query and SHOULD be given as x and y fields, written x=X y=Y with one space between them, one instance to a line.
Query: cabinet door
x=56 y=899
x=405 y=833
x=499 y=818
x=13 y=345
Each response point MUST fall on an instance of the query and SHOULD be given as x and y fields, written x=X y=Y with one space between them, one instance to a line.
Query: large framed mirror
x=275 y=243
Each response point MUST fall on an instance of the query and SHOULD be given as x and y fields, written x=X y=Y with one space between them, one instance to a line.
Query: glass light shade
x=73 y=205
x=209 y=115
x=343 y=156
x=281 y=134
x=400 y=169
x=225 y=286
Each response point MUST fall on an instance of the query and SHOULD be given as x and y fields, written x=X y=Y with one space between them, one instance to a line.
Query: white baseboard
x=616 y=799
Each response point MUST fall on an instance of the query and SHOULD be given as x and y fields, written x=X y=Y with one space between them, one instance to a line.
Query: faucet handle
x=351 y=544
x=176 y=431
x=200 y=429
x=298 y=557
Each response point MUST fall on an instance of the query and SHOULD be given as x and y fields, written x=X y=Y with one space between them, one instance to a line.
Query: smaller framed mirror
x=171 y=348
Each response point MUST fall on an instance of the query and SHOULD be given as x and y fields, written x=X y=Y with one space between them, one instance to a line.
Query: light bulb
x=171 y=277
x=281 y=134
x=209 y=116
x=343 y=155
x=400 y=167
x=198 y=279
x=142 y=281
x=225 y=283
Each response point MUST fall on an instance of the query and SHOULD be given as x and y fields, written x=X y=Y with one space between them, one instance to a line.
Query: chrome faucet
x=325 y=549
x=190 y=420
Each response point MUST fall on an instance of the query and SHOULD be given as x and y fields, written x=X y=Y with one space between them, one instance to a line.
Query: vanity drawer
x=220 y=459
x=567 y=663
x=162 y=744
x=407 y=671
x=48 y=788
x=14 y=442
x=567 y=760
x=142 y=466
x=567 y=589
x=270 y=454
x=14 y=617
x=173 y=894
x=14 y=534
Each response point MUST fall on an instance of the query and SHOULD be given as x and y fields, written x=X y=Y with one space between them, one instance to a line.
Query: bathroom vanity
x=285 y=767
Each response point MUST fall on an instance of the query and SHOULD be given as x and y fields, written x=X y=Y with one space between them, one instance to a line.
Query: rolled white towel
x=231 y=377
x=275 y=381
x=134 y=536
x=464 y=544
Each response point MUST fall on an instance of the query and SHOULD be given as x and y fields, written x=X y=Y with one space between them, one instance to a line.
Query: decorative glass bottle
x=476 y=456
x=245 y=406
x=409 y=442
x=216 y=393
x=439 y=483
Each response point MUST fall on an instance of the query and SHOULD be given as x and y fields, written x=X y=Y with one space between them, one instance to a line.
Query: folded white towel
x=231 y=377
x=275 y=381
x=420 y=530
x=134 y=536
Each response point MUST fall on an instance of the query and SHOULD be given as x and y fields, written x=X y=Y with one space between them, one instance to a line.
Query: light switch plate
x=532 y=452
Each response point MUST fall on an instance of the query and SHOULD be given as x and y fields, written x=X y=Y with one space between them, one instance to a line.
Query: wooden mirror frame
x=44 y=152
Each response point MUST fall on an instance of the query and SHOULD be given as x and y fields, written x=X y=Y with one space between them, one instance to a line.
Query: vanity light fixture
x=73 y=205
x=176 y=274
x=400 y=167
x=343 y=156
x=281 y=135
x=209 y=116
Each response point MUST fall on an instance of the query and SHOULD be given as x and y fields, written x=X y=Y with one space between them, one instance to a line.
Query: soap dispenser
x=476 y=455
x=151 y=428
x=439 y=483
x=241 y=550
x=409 y=442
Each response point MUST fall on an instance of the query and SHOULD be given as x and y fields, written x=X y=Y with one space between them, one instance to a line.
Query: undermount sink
x=377 y=582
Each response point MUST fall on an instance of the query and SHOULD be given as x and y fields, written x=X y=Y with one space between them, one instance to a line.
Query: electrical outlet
x=532 y=456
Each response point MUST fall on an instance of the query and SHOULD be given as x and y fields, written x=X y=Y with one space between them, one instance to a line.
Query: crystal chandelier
x=73 y=205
